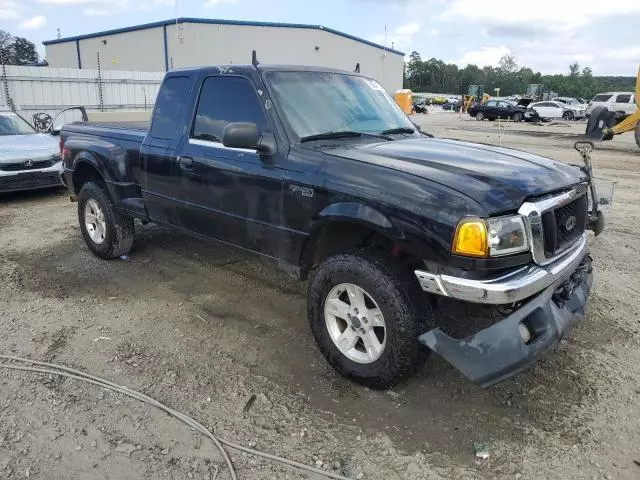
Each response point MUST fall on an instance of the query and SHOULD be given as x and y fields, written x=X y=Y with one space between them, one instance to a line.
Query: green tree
x=24 y=51
x=16 y=50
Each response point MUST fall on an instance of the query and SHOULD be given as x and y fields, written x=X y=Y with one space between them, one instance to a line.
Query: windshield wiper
x=341 y=134
x=391 y=131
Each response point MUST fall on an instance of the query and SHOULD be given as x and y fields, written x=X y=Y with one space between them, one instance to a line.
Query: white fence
x=30 y=90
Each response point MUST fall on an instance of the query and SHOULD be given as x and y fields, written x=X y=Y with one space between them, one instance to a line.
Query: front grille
x=29 y=180
x=17 y=166
x=564 y=225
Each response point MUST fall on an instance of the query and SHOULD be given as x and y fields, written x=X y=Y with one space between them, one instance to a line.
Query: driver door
x=230 y=194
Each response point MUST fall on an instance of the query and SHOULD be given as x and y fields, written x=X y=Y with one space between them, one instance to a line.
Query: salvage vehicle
x=320 y=171
x=494 y=109
x=28 y=159
x=573 y=109
x=548 y=110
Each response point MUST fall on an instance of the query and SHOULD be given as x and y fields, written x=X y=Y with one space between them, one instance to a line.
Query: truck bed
x=123 y=130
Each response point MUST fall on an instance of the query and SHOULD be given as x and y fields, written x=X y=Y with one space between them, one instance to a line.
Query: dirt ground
x=202 y=328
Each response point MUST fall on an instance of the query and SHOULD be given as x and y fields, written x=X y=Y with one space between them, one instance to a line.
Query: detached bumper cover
x=499 y=352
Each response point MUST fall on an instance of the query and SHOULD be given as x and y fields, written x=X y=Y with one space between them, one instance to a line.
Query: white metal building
x=183 y=42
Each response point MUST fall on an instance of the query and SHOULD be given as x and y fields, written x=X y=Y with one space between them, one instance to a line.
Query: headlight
x=493 y=237
x=507 y=235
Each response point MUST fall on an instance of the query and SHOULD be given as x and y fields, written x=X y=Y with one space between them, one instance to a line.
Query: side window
x=169 y=103
x=623 y=98
x=226 y=100
x=491 y=103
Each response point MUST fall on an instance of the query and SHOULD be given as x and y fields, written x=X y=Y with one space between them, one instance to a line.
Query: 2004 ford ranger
x=320 y=171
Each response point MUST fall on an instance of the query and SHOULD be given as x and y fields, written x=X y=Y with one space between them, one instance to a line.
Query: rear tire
x=402 y=308
x=107 y=233
x=479 y=116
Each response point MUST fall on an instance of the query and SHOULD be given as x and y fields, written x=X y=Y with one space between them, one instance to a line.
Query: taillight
x=64 y=152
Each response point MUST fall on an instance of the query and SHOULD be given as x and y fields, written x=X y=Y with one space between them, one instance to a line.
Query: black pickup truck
x=320 y=171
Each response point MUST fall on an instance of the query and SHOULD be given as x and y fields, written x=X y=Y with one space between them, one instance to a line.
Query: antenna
x=254 y=59
x=357 y=69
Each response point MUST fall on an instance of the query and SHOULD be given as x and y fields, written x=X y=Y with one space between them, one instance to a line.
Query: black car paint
x=491 y=112
x=413 y=190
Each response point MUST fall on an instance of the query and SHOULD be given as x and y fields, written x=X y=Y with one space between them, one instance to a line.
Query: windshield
x=319 y=102
x=12 y=124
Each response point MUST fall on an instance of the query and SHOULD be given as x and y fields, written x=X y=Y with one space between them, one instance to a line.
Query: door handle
x=185 y=162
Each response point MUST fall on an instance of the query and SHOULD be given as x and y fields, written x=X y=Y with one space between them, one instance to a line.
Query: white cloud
x=34 y=22
x=9 y=10
x=68 y=2
x=485 y=56
x=96 y=12
x=408 y=29
x=434 y=32
x=549 y=15
x=213 y=3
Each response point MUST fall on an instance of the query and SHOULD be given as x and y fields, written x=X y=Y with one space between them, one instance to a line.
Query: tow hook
x=595 y=220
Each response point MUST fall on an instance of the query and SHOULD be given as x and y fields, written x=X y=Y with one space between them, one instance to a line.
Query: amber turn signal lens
x=470 y=238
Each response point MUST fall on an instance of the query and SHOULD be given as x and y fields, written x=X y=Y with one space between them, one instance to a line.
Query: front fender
x=357 y=213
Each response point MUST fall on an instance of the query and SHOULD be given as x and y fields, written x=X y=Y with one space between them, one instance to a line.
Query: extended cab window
x=226 y=100
x=623 y=98
x=171 y=98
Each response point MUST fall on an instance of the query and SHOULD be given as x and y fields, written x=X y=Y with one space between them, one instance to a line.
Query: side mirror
x=246 y=135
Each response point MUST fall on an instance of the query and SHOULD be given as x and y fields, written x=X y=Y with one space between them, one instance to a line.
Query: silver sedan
x=28 y=159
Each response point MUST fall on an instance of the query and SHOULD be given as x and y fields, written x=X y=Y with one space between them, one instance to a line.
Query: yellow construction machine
x=475 y=93
x=605 y=124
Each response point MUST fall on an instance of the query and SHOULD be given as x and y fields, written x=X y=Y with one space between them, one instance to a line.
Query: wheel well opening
x=348 y=237
x=85 y=173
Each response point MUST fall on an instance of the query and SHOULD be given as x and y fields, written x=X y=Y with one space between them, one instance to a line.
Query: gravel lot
x=203 y=328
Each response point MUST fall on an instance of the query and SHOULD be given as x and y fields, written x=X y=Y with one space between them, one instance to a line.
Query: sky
x=546 y=35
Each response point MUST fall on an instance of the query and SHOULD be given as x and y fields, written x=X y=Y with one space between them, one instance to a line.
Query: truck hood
x=38 y=146
x=499 y=179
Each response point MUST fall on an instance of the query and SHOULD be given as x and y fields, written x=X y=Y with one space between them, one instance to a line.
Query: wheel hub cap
x=355 y=323
x=94 y=221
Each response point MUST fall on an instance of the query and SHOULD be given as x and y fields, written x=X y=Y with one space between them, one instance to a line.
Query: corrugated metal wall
x=39 y=89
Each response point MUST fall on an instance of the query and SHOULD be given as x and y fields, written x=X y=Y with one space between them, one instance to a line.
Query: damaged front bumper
x=502 y=350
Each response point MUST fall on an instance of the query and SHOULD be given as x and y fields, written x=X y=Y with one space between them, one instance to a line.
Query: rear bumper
x=31 y=179
x=499 y=351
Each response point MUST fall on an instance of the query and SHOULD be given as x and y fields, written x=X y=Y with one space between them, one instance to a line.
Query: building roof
x=213 y=21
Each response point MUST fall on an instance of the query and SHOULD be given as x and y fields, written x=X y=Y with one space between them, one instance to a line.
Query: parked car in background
x=420 y=105
x=548 y=110
x=622 y=102
x=455 y=106
x=28 y=159
x=504 y=109
x=573 y=109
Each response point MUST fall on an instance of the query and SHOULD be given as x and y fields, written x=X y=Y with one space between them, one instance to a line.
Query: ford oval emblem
x=570 y=224
x=28 y=163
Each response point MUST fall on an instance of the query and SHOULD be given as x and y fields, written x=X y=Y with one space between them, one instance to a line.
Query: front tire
x=366 y=313
x=518 y=117
x=479 y=116
x=568 y=115
x=107 y=233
